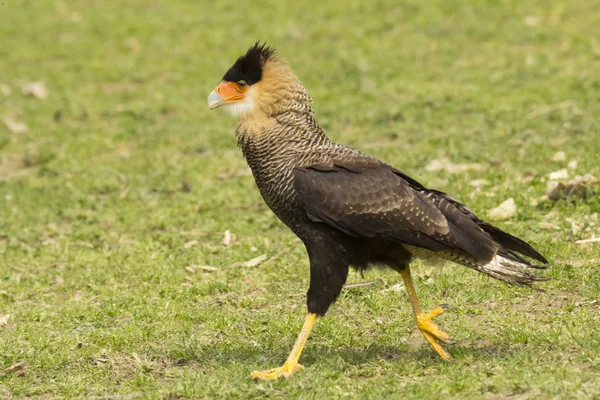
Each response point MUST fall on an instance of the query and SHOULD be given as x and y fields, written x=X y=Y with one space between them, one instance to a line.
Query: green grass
x=125 y=179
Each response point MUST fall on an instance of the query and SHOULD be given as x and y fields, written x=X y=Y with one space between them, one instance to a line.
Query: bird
x=349 y=209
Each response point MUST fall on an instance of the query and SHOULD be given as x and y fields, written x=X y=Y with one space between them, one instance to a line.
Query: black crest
x=249 y=67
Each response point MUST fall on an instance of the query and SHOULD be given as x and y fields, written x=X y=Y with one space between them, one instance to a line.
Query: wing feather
x=361 y=196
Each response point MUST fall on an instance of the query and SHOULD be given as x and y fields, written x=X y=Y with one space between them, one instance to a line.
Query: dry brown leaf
x=207 y=268
x=593 y=239
x=190 y=269
x=251 y=263
x=479 y=183
x=444 y=164
x=574 y=263
x=228 y=238
x=276 y=256
x=4 y=320
x=35 y=89
x=558 y=175
x=18 y=369
x=429 y=281
x=14 y=126
x=256 y=261
x=397 y=287
x=191 y=243
x=587 y=303
x=549 y=225
x=505 y=210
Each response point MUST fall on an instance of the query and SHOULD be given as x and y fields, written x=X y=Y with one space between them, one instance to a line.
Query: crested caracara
x=348 y=208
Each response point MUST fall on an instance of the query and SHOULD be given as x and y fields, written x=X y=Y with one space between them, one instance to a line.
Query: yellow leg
x=291 y=364
x=432 y=333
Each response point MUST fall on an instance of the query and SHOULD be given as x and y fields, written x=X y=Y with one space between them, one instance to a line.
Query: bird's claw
x=432 y=332
x=285 y=371
x=447 y=307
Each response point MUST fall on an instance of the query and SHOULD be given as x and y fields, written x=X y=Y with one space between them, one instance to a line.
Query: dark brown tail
x=512 y=247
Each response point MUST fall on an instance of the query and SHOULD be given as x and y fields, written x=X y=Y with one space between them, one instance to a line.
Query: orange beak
x=225 y=93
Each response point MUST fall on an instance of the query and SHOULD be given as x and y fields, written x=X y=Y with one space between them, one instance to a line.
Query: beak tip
x=214 y=100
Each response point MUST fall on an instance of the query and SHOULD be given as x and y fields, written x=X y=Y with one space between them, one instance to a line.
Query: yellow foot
x=433 y=334
x=286 y=370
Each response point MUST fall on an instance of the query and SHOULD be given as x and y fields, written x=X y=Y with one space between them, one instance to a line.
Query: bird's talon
x=432 y=332
x=439 y=310
x=285 y=371
x=447 y=307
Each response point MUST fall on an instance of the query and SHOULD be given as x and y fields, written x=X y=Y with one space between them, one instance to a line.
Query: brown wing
x=361 y=196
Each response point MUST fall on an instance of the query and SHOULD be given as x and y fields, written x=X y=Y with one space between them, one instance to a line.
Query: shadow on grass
x=224 y=356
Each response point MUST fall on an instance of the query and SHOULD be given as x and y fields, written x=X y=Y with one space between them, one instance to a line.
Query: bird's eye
x=242 y=84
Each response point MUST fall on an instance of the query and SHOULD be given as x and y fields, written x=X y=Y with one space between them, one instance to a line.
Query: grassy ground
x=124 y=184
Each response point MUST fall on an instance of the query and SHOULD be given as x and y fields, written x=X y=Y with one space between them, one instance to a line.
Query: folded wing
x=363 y=197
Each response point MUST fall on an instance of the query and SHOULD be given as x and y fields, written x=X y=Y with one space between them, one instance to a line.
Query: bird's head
x=257 y=83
